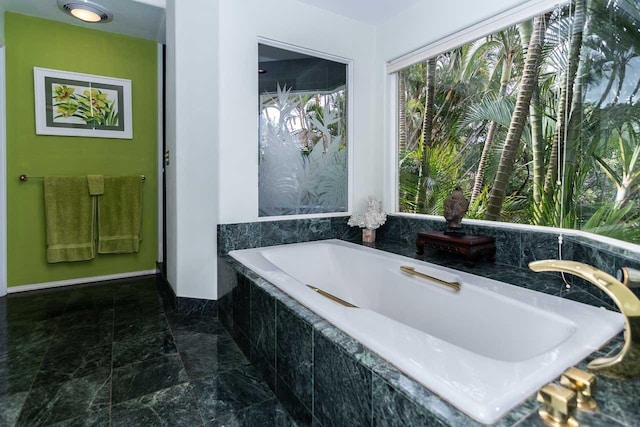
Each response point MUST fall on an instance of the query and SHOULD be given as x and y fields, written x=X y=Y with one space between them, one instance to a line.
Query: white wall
x=192 y=138
x=288 y=21
x=428 y=21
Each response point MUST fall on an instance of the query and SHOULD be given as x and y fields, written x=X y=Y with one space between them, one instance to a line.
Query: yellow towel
x=70 y=219
x=120 y=215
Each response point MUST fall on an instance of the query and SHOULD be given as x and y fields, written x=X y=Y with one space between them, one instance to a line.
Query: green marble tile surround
x=316 y=370
x=116 y=354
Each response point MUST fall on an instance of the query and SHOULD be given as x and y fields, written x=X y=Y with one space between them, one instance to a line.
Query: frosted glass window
x=303 y=134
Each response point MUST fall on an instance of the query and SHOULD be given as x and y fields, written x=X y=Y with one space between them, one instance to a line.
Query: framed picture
x=74 y=104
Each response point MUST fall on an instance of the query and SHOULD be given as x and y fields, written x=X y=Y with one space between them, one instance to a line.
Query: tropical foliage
x=539 y=123
x=303 y=156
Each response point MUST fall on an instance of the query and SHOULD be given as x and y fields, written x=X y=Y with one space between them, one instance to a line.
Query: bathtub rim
x=388 y=371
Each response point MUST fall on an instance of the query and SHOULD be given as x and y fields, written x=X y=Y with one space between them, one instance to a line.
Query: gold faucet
x=625 y=364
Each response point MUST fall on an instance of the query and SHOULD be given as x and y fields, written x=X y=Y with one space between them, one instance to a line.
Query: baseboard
x=61 y=283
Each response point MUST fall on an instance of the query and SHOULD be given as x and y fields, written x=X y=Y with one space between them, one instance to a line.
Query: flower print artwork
x=75 y=104
x=84 y=105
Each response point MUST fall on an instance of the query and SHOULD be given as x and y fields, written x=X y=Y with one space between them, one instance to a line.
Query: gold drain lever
x=584 y=384
x=558 y=405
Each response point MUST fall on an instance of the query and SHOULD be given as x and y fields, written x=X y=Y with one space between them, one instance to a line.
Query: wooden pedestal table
x=470 y=246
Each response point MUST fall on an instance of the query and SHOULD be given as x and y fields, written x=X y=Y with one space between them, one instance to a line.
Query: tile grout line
x=44 y=356
x=175 y=340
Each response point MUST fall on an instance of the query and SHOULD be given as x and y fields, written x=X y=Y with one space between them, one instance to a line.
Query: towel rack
x=25 y=177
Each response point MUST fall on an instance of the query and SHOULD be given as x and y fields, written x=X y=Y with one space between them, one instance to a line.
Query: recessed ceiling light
x=85 y=10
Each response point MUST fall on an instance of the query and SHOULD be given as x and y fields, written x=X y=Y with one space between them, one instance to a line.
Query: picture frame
x=76 y=104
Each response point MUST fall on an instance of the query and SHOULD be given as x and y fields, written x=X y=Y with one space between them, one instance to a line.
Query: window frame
x=349 y=112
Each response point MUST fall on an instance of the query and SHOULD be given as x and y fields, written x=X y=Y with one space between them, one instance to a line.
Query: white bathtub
x=484 y=349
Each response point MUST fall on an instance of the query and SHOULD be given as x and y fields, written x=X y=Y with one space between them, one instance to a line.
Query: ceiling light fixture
x=85 y=10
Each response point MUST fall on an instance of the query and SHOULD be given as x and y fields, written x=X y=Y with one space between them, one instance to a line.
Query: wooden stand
x=470 y=246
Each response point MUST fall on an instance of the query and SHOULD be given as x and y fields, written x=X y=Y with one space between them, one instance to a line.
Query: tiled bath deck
x=113 y=354
x=324 y=377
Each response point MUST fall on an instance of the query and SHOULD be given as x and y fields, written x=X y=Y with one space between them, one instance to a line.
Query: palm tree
x=507 y=44
x=518 y=119
x=427 y=129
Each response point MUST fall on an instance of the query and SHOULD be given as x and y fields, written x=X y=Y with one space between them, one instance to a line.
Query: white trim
x=390 y=167
x=84 y=280
x=160 y=160
x=3 y=174
x=350 y=128
x=496 y=23
x=303 y=216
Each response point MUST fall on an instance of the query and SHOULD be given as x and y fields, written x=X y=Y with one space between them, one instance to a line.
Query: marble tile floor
x=111 y=354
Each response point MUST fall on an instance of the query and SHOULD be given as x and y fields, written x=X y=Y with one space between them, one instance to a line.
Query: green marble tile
x=10 y=407
x=229 y=393
x=143 y=347
x=146 y=377
x=53 y=403
x=174 y=406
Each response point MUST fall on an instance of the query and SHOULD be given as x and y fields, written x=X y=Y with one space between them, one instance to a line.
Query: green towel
x=120 y=215
x=96 y=184
x=70 y=219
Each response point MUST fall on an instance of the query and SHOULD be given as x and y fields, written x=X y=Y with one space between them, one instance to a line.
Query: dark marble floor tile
x=85 y=318
x=10 y=407
x=18 y=369
x=174 y=406
x=131 y=328
x=342 y=387
x=146 y=377
x=26 y=335
x=81 y=338
x=57 y=402
x=94 y=419
x=269 y=413
x=295 y=354
x=199 y=324
x=196 y=307
x=228 y=393
x=62 y=367
x=137 y=311
x=36 y=306
x=205 y=354
x=139 y=348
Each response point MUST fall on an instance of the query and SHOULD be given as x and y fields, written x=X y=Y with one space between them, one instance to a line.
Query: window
x=539 y=123
x=303 y=134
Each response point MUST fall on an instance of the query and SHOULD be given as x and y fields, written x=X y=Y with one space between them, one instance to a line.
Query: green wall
x=32 y=42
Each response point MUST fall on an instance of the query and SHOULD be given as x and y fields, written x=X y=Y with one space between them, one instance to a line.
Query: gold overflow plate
x=456 y=286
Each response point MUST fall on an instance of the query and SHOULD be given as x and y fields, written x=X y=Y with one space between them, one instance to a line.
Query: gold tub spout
x=625 y=364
